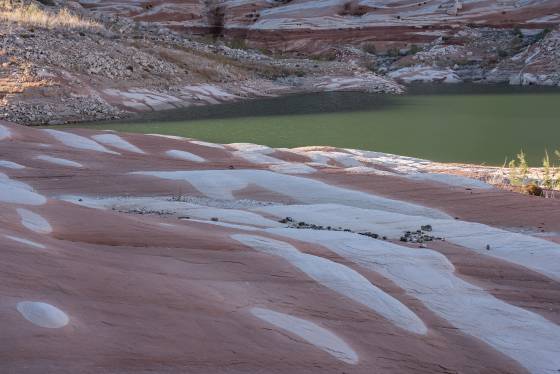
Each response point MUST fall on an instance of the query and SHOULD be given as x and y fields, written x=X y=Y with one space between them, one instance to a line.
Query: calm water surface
x=476 y=124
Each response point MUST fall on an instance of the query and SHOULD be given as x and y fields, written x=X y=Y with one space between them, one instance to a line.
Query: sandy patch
x=341 y=279
x=18 y=192
x=43 y=314
x=11 y=165
x=25 y=241
x=310 y=332
x=427 y=275
x=183 y=155
x=34 y=222
x=5 y=132
x=292 y=168
x=77 y=141
x=116 y=141
x=207 y=144
x=531 y=252
x=221 y=184
x=59 y=161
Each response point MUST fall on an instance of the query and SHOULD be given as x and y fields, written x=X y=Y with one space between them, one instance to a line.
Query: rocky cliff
x=472 y=40
x=63 y=63
x=66 y=61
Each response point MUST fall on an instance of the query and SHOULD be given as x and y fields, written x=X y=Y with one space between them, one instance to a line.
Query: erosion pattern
x=129 y=253
x=463 y=40
x=313 y=21
x=119 y=67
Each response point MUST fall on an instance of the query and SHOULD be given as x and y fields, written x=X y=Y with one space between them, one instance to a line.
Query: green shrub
x=238 y=43
x=369 y=48
x=518 y=170
x=548 y=177
x=393 y=52
x=414 y=49
x=523 y=166
x=513 y=174
x=542 y=34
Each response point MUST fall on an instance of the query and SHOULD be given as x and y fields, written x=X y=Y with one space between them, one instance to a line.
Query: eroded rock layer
x=312 y=24
x=127 y=253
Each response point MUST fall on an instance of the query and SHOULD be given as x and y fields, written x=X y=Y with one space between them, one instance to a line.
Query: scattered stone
x=419 y=236
x=369 y=234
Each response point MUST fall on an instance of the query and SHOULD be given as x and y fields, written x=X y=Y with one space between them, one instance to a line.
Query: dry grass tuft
x=34 y=16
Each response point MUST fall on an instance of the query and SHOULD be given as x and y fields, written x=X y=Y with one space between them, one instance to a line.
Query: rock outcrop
x=311 y=25
x=116 y=67
x=476 y=39
x=127 y=253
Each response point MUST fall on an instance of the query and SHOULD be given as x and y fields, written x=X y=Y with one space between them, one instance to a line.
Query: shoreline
x=406 y=124
x=279 y=92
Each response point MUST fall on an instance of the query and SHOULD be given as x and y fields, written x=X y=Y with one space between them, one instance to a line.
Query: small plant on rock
x=414 y=49
x=519 y=170
x=523 y=166
x=238 y=43
x=556 y=174
x=513 y=174
x=547 y=180
x=393 y=52
x=369 y=48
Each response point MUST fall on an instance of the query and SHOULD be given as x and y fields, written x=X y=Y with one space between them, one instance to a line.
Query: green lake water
x=478 y=125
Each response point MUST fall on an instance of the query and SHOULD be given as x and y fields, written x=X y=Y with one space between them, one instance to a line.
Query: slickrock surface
x=166 y=255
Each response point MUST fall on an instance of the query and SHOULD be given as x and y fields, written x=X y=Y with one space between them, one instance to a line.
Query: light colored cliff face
x=334 y=20
x=190 y=13
x=468 y=40
x=539 y=64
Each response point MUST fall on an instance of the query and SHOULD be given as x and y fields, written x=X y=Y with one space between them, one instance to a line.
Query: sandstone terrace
x=189 y=288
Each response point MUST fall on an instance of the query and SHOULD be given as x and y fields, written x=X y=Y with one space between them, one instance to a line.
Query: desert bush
x=523 y=165
x=518 y=170
x=238 y=43
x=393 y=52
x=414 y=49
x=513 y=174
x=369 y=48
x=542 y=34
x=547 y=179
x=34 y=15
